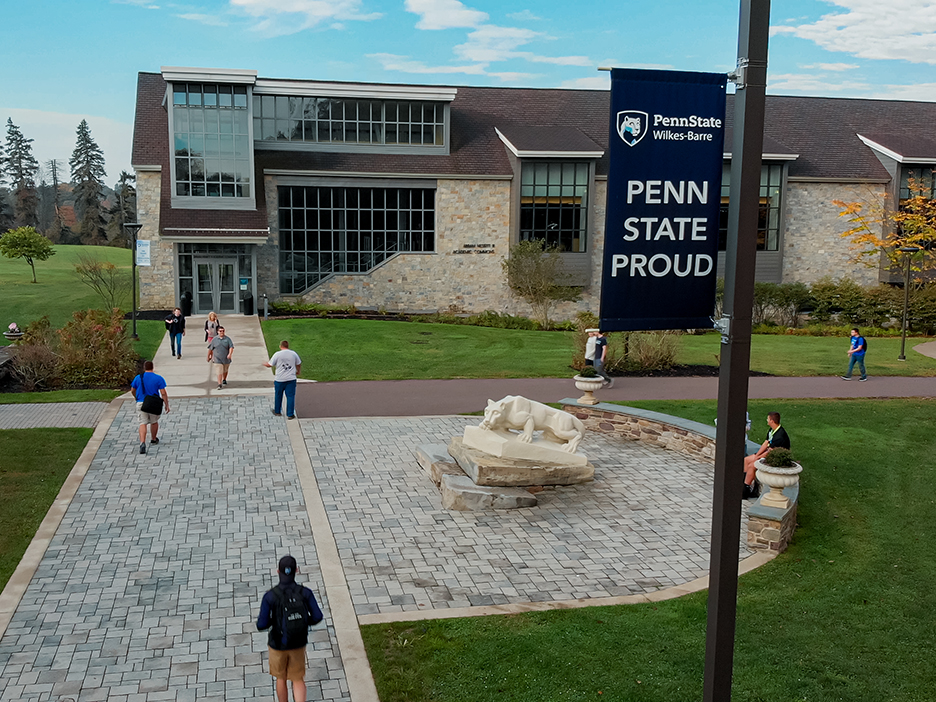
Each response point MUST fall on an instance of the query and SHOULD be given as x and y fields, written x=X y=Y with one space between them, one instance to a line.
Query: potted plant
x=778 y=470
x=13 y=332
x=587 y=380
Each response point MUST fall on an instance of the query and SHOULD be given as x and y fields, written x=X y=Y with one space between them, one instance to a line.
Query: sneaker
x=750 y=491
x=179 y=356
x=154 y=441
x=610 y=383
x=846 y=377
x=143 y=448
x=861 y=380
x=292 y=416
x=219 y=387
x=224 y=382
x=173 y=354
x=276 y=414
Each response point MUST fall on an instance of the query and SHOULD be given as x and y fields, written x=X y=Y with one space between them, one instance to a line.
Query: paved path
x=53 y=414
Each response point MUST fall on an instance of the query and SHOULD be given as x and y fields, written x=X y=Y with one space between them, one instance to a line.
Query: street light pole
x=133 y=228
x=909 y=250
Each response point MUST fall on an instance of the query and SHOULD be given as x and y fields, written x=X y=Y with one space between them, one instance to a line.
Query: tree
x=26 y=242
x=107 y=280
x=877 y=229
x=87 y=172
x=534 y=273
x=19 y=168
x=123 y=211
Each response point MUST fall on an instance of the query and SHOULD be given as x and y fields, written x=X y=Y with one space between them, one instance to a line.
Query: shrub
x=107 y=280
x=779 y=458
x=36 y=365
x=652 y=350
x=95 y=349
x=790 y=300
x=588 y=372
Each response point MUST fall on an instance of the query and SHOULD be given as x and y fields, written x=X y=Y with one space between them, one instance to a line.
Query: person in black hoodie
x=288 y=610
x=175 y=323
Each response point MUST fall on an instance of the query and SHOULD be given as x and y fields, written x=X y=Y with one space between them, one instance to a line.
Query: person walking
x=211 y=327
x=601 y=353
x=287 y=365
x=148 y=383
x=590 y=346
x=221 y=353
x=175 y=323
x=856 y=354
x=288 y=610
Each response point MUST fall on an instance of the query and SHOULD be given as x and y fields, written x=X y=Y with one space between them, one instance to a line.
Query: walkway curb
x=361 y=686
x=29 y=563
x=750 y=563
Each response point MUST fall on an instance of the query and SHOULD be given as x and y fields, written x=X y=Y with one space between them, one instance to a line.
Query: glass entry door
x=215 y=286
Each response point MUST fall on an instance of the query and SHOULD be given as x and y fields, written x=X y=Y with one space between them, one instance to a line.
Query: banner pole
x=740 y=259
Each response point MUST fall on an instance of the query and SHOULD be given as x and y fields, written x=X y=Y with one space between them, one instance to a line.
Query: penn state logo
x=632 y=126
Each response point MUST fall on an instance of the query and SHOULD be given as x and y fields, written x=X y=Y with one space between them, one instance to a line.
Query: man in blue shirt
x=148 y=383
x=287 y=641
x=856 y=354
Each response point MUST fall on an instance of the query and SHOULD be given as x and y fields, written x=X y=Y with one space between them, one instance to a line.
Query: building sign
x=664 y=195
x=143 y=253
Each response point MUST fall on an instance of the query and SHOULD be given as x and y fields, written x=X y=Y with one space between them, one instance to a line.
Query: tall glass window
x=322 y=120
x=325 y=230
x=769 y=212
x=554 y=203
x=210 y=125
x=923 y=179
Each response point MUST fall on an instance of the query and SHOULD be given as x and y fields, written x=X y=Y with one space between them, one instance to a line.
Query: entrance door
x=215 y=286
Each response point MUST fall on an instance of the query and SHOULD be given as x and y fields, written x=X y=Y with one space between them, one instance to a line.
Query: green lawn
x=58 y=292
x=19 y=398
x=351 y=349
x=29 y=481
x=812 y=355
x=845 y=614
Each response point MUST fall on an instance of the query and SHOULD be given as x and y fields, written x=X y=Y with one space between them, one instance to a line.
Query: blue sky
x=64 y=61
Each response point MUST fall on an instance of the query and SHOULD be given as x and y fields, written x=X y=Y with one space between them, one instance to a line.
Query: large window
x=923 y=179
x=321 y=120
x=210 y=129
x=326 y=230
x=769 y=213
x=554 y=203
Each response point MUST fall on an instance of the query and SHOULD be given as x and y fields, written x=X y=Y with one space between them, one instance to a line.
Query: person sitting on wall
x=776 y=438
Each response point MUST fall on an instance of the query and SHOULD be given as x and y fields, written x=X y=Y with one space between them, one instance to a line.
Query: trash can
x=186 y=304
x=247 y=302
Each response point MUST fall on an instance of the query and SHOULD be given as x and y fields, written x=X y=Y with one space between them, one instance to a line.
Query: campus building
x=407 y=197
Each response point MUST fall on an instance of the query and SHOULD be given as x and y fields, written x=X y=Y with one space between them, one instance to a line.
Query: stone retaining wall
x=769 y=528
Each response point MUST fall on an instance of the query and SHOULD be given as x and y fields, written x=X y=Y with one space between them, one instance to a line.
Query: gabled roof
x=818 y=136
x=903 y=148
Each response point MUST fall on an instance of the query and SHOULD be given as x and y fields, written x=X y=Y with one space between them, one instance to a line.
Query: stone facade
x=157 y=281
x=813 y=247
x=656 y=433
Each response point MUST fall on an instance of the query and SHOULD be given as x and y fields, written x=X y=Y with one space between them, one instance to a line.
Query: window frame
x=585 y=206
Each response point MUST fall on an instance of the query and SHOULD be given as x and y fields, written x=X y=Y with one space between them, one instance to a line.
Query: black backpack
x=293 y=616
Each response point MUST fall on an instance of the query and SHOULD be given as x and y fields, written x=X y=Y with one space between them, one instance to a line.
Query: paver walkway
x=52 y=414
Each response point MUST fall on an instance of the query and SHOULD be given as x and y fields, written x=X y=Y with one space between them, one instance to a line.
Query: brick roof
x=822 y=131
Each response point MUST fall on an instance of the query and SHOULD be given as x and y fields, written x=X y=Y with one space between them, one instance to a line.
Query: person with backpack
x=288 y=610
x=856 y=354
x=149 y=389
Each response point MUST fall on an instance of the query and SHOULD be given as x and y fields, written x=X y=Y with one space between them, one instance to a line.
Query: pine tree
x=124 y=210
x=20 y=168
x=87 y=172
x=6 y=211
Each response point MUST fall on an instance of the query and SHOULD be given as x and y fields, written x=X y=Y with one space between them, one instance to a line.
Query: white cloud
x=601 y=82
x=923 y=92
x=145 y=4
x=444 y=14
x=524 y=16
x=871 y=29
x=211 y=20
x=404 y=64
x=279 y=17
x=490 y=43
x=831 y=66
x=53 y=135
x=513 y=76
x=812 y=84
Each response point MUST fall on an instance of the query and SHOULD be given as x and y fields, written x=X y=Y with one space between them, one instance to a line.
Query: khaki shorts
x=146 y=417
x=288 y=665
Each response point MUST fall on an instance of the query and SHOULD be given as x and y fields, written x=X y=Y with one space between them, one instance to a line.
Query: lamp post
x=909 y=250
x=133 y=228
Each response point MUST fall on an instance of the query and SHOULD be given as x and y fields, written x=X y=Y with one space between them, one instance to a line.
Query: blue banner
x=664 y=194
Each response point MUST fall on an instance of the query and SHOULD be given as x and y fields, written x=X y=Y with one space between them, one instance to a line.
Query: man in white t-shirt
x=288 y=365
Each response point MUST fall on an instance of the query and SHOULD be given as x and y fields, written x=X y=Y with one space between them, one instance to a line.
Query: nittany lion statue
x=527 y=416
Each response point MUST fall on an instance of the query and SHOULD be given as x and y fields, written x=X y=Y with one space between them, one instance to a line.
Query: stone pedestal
x=494 y=470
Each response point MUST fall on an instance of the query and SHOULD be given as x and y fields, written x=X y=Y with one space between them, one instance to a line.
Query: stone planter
x=588 y=386
x=777 y=479
x=13 y=336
